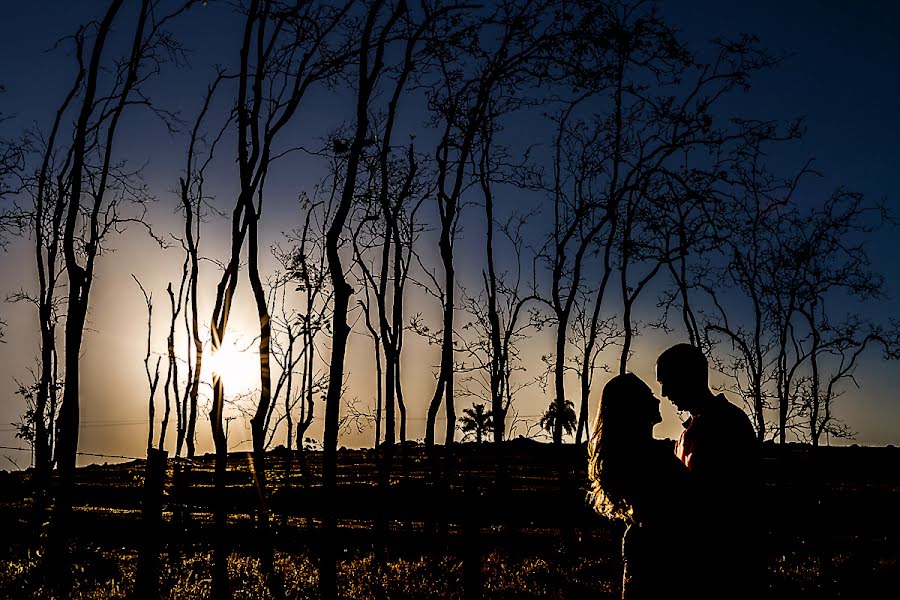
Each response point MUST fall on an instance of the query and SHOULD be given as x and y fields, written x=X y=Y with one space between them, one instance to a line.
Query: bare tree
x=294 y=329
x=601 y=166
x=834 y=262
x=578 y=218
x=620 y=166
x=373 y=37
x=192 y=205
x=101 y=186
x=395 y=197
x=305 y=262
x=47 y=189
x=367 y=309
x=783 y=266
x=96 y=187
x=499 y=322
x=499 y=325
x=841 y=347
x=387 y=229
x=287 y=353
x=155 y=466
x=397 y=194
x=590 y=336
x=746 y=233
x=674 y=150
x=497 y=49
x=152 y=378
x=46 y=217
x=380 y=25
x=286 y=50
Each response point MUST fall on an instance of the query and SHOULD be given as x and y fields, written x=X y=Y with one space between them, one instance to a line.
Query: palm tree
x=476 y=420
x=568 y=420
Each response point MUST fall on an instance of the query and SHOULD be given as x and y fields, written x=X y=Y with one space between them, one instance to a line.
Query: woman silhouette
x=637 y=479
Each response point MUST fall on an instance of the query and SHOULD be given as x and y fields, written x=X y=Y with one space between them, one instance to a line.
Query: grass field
x=829 y=512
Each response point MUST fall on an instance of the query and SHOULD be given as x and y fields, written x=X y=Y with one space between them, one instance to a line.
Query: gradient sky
x=843 y=76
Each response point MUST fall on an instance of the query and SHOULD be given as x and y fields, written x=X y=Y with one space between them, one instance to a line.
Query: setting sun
x=236 y=362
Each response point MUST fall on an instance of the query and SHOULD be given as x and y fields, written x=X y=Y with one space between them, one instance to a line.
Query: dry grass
x=104 y=573
x=100 y=574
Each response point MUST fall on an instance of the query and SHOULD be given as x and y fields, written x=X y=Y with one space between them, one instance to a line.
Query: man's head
x=682 y=372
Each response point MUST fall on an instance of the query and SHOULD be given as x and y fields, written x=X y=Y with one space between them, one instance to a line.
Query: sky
x=841 y=73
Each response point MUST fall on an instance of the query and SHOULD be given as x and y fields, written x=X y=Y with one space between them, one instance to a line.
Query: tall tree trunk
x=558 y=372
x=190 y=434
x=447 y=352
x=259 y=420
x=79 y=279
x=497 y=365
x=48 y=277
x=444 y=389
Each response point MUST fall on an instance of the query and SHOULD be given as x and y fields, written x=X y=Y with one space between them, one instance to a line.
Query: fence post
x=472 y=585
x=148 y=565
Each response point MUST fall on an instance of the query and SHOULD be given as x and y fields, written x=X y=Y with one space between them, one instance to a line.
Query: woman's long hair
x=616 y=445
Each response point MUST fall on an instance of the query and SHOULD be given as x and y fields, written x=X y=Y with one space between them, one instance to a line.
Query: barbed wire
x=79 y=453
x=89 y=424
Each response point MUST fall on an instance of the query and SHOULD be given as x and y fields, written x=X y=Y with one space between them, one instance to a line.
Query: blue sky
x=841 y=73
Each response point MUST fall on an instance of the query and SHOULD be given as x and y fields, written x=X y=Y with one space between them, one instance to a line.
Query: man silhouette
x=720 y=449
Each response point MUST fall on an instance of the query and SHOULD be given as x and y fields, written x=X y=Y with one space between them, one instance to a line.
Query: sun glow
x=236 y=362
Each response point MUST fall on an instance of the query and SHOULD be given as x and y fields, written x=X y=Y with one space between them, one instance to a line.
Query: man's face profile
x=672 y=388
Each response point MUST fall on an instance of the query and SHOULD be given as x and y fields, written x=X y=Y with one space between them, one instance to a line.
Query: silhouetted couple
x=692 y=514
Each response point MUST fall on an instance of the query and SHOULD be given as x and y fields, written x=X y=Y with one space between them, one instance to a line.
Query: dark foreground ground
x=519 y=517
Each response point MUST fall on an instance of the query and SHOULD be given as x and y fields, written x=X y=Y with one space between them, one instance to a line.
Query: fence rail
x=849 y=493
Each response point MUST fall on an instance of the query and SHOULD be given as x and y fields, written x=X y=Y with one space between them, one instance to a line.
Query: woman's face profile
x=652 y=408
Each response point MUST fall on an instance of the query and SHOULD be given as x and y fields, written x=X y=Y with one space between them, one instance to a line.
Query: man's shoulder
x=723 y=406
x=728 y=414
x=722 y=403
